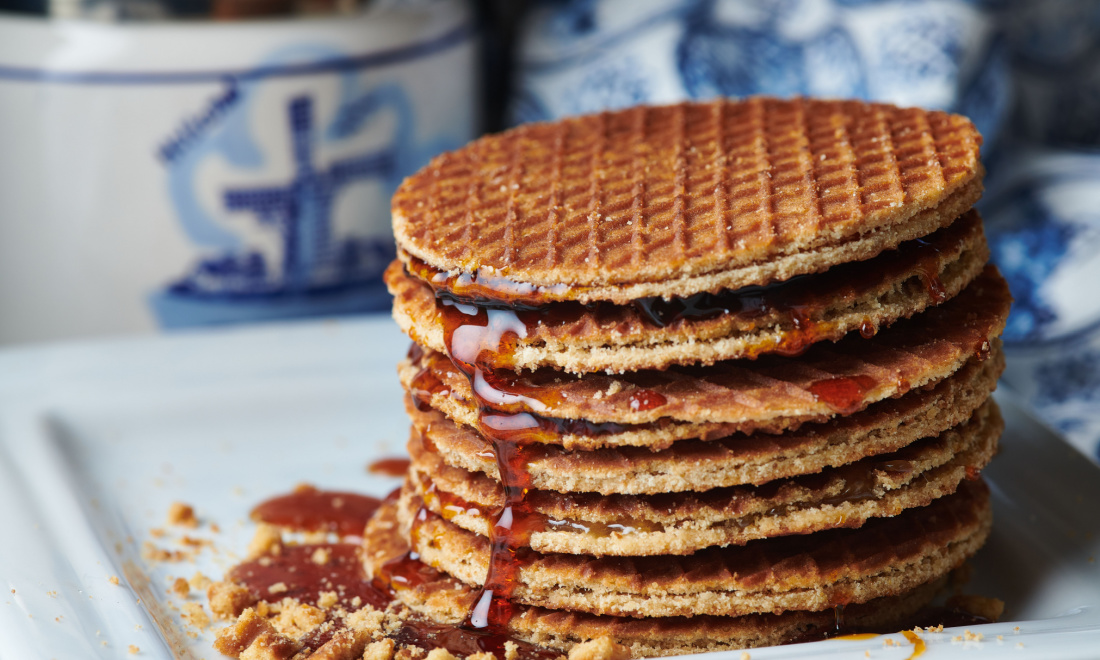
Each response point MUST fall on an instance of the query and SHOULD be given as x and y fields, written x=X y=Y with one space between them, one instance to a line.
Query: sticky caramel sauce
x=844 y=394
x=390 y=467
x=308 y=509
x=295 y=572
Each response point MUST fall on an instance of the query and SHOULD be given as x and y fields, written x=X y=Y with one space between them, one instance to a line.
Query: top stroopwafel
x=686 y=198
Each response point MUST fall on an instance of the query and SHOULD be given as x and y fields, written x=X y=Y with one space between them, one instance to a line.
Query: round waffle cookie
x=682 y=523
x=655 y=333
x=445 y=599
x=884 y=557
x=771 y=394
x=729 y=461
x=677 y=200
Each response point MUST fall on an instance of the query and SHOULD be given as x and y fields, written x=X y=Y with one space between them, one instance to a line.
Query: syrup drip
x=927 y=269
x=916 y=641
x=390 y=467
x=510 y=393
x=448 y=505
x=308 y=509
x=867 y=329
x=844 y=394
x=477 y=337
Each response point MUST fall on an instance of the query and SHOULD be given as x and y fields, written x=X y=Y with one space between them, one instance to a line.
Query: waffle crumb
x=745 y=655
x=321 y=556
x=296 y=619
x=113 y=580
x=511 y=650
x=150 y=552
x=380 y=650
x=601 y=648
x=181 y=588
x=267 y=541
x=133 y=650
x=182 y=515
x=195 y=615
x=327 y=599
x=440 y=654
x=228 y=600
x=199 y=582
x=277 y=588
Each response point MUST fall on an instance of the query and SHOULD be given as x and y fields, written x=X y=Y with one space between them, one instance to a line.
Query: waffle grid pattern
x=657 y=192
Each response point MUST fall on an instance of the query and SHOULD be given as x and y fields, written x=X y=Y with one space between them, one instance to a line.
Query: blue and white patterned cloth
x=1026 y=72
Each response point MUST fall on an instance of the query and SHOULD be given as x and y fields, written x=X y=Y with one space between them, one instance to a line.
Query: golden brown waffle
x=445 y=599
x=862 y=296
x=682 y=523
x=768 y=394
x=692 y=197
x=884 y=557
x=739 y=459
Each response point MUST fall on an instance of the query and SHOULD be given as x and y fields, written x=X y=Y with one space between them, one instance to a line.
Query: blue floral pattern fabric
x=1026 y=72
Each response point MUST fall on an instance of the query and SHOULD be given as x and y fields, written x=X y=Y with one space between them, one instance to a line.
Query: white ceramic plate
x=98 y=439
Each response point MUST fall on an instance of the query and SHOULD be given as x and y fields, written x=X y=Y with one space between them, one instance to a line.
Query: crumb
x=321 y=556
x=195 y=615
x=366 y=619
x=215 y=528
x=199 y=582
x=183 y=515
x=599 y=649
x=745 y=655
x=511 y=650
x=1019 y=645
x=103 y=643
x=228 y=600
x=1016 y=630
x=113 y=580
x=267 y=541
x=133 y=650
x=296 y=619
x=150 y=552
x=380 y=650
x=867 y=654
x=181 y=588
x=253 y=637
x=1000 y=638
x=327 y=599
x=888 y=642
x=277 y=588
x=157 y=533
x=440 y=654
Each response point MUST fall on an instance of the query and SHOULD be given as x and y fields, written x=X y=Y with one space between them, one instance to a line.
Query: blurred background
x=169 y=164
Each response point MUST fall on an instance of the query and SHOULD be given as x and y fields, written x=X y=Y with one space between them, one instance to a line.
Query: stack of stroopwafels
x=694 y=377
